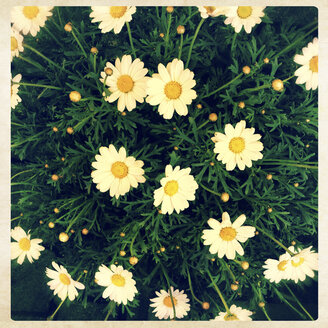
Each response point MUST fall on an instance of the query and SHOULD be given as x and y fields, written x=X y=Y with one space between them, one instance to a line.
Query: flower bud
x=225 y=197
x=234 y=287
x=241 y=104
x=269 y=210
x=41 y=222
x=293 y=243
x=161 y=35
x=266 y=60
x=123 y=113
x=122 y=253
x=277 y=85
x=94 y=50
x=199 y=106
x=175 y=148
x=262 y=304
x=296 y=184
x=205 y=305
x=55 y=129
x=108 y=71
x=70 y=130
x=177 y=247
x=85 y=231
x=63 y=237
x=245 y=265
x=269 y=177
x=68 y=27
x=75 y=96
x=162 y=249
x=46 y=165
x=181 y=29
x=63 y=159
x=56 y=210
x=51 y=225
x=263 y=111
x=246 y=70
x=169 y=9
x=213 y=117
x=212 y=163
x=133 y=260
x=54 y=177
x=122 y=234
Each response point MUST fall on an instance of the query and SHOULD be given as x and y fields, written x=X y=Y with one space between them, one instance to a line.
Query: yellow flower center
x=119 y=170
x=300 y=262
x=209 y=9
x=237 y=145
x=117 y=11
x=230 y=317
x=118 y=280
x=282 y=265
x=25 y=244
x=168 y=302
x=228 y=233
x=30 y=12
x=244 y=11
x=314 y=64
x=64 y=279
x=173 y=90
x=13 y=43
x=125 y=83
x=171 y=187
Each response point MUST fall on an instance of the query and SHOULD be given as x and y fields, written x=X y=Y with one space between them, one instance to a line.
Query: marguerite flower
x=29 y=19
x=14 y=97
x=120 y=285
x=246 y=16
x=164 y=307
x=206 y=11
x=16 y=43
x=276 y=269
x=302 y=264
x=237 y=314
x=237 y=146
x=178 y=186
x=112 y=17
x=308 y=73
x=127 y=83
x=224 y=237
x=116 y=172
x=62 y=282
x=24 y=246
x=171 y=89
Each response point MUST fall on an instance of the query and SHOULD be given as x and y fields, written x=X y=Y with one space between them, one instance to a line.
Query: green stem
x=223 y=86
x=79 y=43
x=52 y=316
x=264 y=86
x=59 y=17
x=85 y=209
x=298 y=302
x=202 y=125
x=94 y=63
x=275 y=240
x=233 y=44
x=210 y=190
x=131 y=40
x=132 y=242
x=35 y=64
x=169 y=286
x=266 y=314
x=38 y=85
x=291 y=164
x=190 y=285
x=16 y=218
x=180 y=47
x=53 y=37
x=157 y=12
x=14 y=176
x=193 y=40
x=288 y=78
x=219 y=292
x=190 y=16
x=167 y=35
x=228 y=268
x=111 y=308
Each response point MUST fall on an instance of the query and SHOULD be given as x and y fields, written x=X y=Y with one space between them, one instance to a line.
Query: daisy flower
x=276 y=269
x=302 y=264
x=238 y=146
x=237 y=313
x=206 y=11
x=116 y=172
x=14 y=97
x=120 y=285
x=224 y=237
x=127 y=83
x=112 y=17
x=246 y=16
x=24 y=246
x=171 y=89
x=16 y=43
x=62 y=282
x=178 y=186
x=308 y=73
x=164 y=307
x=29 y=19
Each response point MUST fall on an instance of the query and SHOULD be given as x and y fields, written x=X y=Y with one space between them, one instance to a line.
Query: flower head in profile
x=62 y=282
x=224 y=237
x=29 y=19
x=171 y=89
x=120 y=287
x=127 y=82
x=112 y=17
x=16 y=43
x=244 y=16
x=308 y=73
x=238 y=146
x=164 y=307
x=276 y=270
x=236 y=314
x=211 y=11
x=24 y=246
x=116 y=172
x=178 y=187
x=14 y=97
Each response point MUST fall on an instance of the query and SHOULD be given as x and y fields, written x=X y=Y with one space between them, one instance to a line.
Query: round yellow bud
x=72 y=230
x=199 y=106
x=160 y=211
x=225 y=197
x=46 y=166
x=161 y=35
x=21 y=214
x=212 y=163
x=257 y=233
x=70 y=130
x=94 y=50
x=245 y=265
x=307 y=146
x=63 y=237
x=122 y=253
x=122 y=234
x=205 y=305
x=269 y=210
x=158 y=251
x=177 y=247
x=213 y=259
x=169 y=9
x=246 y=69
x=307 y=120
x=241 y=104
x=262 y=304
x=63 y=158
x=54 y=177
x=176 y=148
x=75 y=96
x=51 y=225
x=174 y=129
x=85 y=231
x=181 y=29
x=68 y=27
x=85 y=271
x=41 y=222
x=263 y=111
x=277 y=85
x=269 y=177
x=213 y=117
x=123 y=114
x=108 y=71
x=133 y=260
x=296 y=184
x=162 y=249
x=234 y=287
x=56 y=210
x=266 y=60
x=116 y=262
x=55 y=129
